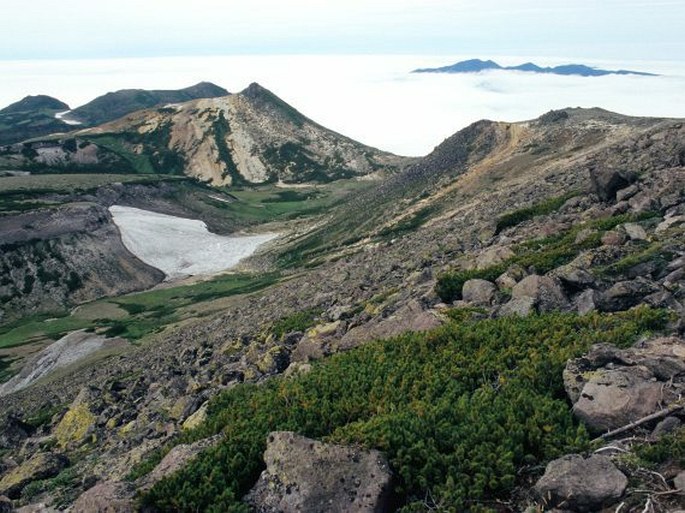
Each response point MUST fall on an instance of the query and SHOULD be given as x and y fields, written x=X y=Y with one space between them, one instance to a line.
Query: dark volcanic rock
x=581 y=485
x=40 y=466
x=607 y=182
x=305 y=475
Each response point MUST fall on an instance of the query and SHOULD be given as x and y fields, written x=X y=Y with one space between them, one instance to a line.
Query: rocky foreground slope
x=481 y=244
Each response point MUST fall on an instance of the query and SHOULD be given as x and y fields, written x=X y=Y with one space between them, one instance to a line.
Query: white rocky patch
x=181 y=247
x=60 y=116
x=69 y=349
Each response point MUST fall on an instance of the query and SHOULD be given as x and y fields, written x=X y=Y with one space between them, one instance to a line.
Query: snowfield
x=181 y=247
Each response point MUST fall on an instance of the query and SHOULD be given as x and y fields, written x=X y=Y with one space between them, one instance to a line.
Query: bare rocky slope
x=252 y=137
x=577 y=211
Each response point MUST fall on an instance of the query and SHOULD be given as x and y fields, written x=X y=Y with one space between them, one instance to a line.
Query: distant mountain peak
x=477 y=65
x=34 y=103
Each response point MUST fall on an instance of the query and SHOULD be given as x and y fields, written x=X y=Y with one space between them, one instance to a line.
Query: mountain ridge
x=478 y=65
x=249 y=137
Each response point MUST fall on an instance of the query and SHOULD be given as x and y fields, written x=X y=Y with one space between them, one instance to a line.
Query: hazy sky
x=602 y=29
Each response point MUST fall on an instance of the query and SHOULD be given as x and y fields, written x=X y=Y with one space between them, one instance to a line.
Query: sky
x=600 y=29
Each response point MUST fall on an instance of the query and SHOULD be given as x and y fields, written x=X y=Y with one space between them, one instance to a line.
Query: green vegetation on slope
x=148 y=312
x=539 y=209
x=457 y=410
x=539 y=255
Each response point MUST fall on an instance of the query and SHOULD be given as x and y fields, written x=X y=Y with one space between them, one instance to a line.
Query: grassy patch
x=299 y=321
x=409 y=223
x=543 y=255
x=539 y=209
x=457 y=410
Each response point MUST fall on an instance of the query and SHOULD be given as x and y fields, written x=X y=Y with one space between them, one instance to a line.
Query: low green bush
x=539 y=209
x=458 y=411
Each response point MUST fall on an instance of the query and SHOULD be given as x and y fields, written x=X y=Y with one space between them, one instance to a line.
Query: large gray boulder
x=479 y=292
x=578 y=484
x=545 y=291
x=613 y=387
x=306 y=475
x=106 y=497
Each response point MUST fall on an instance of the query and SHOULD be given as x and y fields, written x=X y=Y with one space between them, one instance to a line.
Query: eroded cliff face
x=54 y=258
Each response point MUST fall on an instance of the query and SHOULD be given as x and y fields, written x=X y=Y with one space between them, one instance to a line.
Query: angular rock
x=581 y=485
x=607 y=182
x=665 y=427
x=626 y=294
x=679 y=482
x=479 y=292
x=520 y=307
x=106 y=497
x=545 y=291
x=616 y=397
x=40 y=466
x=493 y=256
x=175 y=460
x=573 y=278
x=306 y=475
x=614 y=238
x=586 y=302
x=5 y=504
x=635 y=231
x=510 y=277
x=612 y=387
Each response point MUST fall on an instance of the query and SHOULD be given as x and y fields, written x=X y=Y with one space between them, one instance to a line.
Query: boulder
x=479 y=292
x=578 y=484
x=493 y=256
x=410 y=317
x=40 y=466
x=517 y=307
x=614 y=238
x=635 y=231
x=306 y=475
x=106 y=497
x=607 y=182
x=574 y=278
x=626 y=294
x=679 y=482
x=586 y=301
x=612 y=387
x=615 y=397
x=175 y=460
x=545 y=291
x=78 y=421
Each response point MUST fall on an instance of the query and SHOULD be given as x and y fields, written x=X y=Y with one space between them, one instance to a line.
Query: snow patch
x=181 y=247
x=60 y=116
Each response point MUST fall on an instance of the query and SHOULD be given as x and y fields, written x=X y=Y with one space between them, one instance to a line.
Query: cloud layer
x=373 y=99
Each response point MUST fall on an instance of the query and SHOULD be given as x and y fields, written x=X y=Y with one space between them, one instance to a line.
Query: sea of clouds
x=372 y=98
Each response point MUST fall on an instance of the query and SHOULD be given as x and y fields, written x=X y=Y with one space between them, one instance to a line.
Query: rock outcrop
x=306 y=475
x=583 y=485
x=611 y=387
